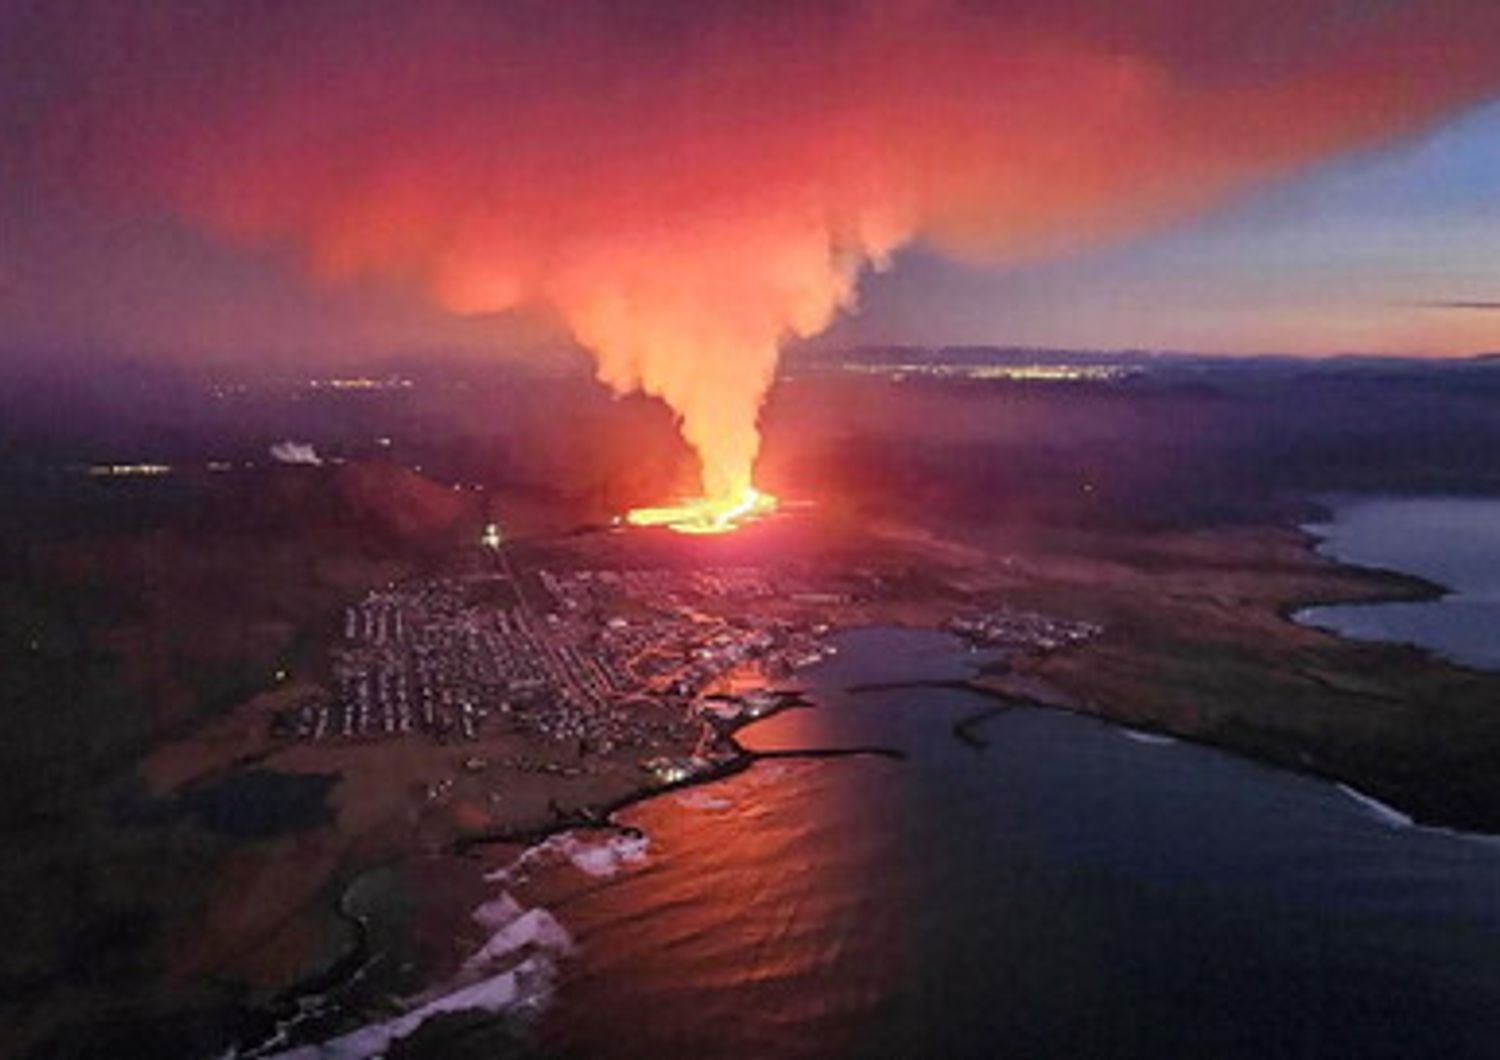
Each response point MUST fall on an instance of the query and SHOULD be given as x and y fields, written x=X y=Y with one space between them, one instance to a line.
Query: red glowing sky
x=691 y=174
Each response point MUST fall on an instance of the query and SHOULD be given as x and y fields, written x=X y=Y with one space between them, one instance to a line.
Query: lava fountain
x=707 y=515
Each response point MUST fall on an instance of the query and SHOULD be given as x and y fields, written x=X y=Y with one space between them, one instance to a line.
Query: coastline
x=1390 y=586
x=1016 y=686
x=967 y=730
x=1399 y=677
x=1210 y=595
x=283 y=1013
x=1146 y=732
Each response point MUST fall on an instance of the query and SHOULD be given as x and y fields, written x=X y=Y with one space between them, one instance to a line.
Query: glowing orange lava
x=705 y=515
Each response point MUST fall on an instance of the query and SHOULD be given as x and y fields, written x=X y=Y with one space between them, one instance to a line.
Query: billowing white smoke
x=290 y=452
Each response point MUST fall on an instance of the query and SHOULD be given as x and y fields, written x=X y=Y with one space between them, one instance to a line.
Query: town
x=1021 y=632
x=640 y=661
x=605 y=659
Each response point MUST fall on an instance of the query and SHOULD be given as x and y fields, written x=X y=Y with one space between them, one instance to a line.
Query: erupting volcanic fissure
x=687 y=184
x=695 y=316
x=707 y=515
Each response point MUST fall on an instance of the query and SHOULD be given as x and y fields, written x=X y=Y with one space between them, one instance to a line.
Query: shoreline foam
x=516 y=968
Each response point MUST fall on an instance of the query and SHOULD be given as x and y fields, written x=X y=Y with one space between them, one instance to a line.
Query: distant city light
x=1049 y=373
x=122 y=470
x=491 y=537
x=393 y=382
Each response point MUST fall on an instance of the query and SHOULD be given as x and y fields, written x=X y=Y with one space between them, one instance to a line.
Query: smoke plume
x=687 y=184
x=290 y=452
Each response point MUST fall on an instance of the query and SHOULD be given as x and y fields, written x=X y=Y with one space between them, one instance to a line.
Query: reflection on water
x=1452 y=541
x=1064 y=892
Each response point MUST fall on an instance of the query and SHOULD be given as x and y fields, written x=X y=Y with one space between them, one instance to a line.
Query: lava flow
x=706 y=515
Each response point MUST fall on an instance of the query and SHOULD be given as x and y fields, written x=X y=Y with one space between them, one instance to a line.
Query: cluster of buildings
x=1022 y=631
x=601 y=658
x=667 y=633
x=643 y=660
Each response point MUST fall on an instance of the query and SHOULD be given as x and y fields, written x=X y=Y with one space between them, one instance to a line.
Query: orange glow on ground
x=704 y=515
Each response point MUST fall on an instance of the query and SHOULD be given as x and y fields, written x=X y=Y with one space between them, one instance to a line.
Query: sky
x=1391 y=251
x=1379 y=244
